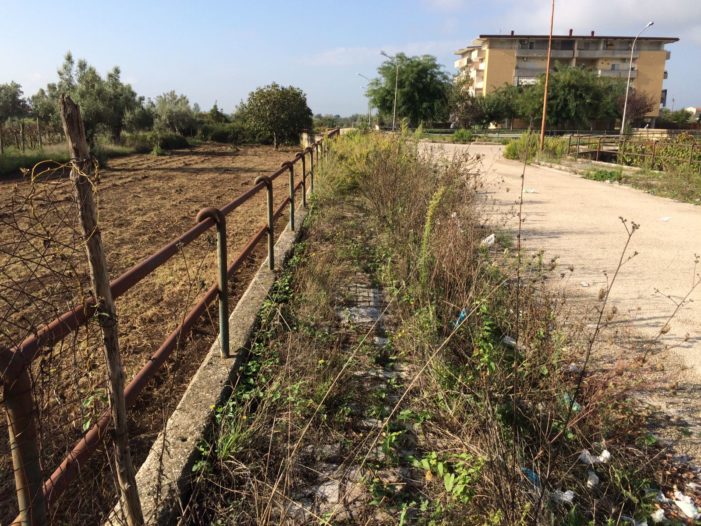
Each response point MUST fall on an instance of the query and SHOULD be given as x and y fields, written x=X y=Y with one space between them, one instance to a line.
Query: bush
x=463 y=135
x=526 y=146
x=147 y=142
x=171 y=141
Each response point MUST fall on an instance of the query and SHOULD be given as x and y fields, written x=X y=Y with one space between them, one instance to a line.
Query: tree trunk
x=21 y=134
x=106 y=311
x=2 y=144
x=41 y=145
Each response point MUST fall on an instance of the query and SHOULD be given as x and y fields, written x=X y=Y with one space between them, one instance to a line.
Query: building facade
x=494 y=60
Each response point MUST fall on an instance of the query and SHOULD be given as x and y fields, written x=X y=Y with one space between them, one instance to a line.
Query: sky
x=220 y=51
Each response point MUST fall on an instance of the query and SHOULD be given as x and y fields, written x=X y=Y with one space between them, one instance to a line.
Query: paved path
x=578 y=220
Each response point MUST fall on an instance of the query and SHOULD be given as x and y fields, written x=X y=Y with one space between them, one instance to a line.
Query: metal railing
x=636 y=150
x=36 y=495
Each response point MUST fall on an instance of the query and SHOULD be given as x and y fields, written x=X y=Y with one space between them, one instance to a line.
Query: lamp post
x=361 y=75
x=630 y=70
x=396 y=86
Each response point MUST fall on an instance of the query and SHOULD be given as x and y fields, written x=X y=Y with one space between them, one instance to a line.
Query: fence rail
x=16 y=362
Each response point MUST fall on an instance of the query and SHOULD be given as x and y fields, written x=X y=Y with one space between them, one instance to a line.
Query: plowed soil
x=144 y=202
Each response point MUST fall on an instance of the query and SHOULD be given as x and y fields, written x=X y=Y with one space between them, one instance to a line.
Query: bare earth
x=578 y=221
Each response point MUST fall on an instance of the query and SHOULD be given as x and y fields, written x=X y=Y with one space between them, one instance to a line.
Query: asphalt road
x=578 y=221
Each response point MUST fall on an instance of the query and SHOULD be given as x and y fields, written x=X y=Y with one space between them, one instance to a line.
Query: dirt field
x=144 y=202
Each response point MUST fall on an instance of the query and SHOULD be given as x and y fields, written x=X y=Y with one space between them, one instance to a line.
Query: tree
x=276 y=113
x=173 y=113
x=423 y=89
x=13 y=105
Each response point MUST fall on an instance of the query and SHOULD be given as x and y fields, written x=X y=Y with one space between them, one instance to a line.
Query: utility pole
x=630 y=71
x=396 y=86
x=547 y=78
x=369 y=110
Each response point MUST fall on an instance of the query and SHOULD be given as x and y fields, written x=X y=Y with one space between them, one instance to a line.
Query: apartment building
x=494 y=60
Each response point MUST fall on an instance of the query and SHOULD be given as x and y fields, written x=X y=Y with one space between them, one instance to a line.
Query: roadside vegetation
x=492 y=413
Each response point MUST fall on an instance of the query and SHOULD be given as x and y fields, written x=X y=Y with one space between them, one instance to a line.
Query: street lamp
x=630 y=70
x=396 y=86
x=361 y=75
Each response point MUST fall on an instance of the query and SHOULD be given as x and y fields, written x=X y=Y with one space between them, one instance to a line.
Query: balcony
x=556 y=53
x=462 y=63
x=604 y=53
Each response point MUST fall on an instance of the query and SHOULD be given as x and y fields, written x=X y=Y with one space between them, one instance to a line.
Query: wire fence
x=55 y=387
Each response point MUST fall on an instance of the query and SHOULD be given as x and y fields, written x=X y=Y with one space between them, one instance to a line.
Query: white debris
x=630 y=520
x=665 y=218
x=587 y=458
x=584 y=284
x=592 y=480
x=658 y=516
x=531 y=191
x=563 y=497
x=687 y=505
x=488 y=241
x=574 y=368
x=661 y=498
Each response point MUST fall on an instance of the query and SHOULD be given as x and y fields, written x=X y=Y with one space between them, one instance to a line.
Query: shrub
x=463 y=135
x=526 y=146
x=171 y=141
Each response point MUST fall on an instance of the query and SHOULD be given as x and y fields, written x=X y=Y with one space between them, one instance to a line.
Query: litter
x=584 y=284
x=563 y=497
x=509 y=342
x=530 y=191
x=631 y=520
x=658 y=516
x=461 y=318
x=687 y=505
x=574 y=368
x=532 y=477
x=488 y=241
x=665 y=218
x=569 y=401
x=592 y=480
x=587 y=458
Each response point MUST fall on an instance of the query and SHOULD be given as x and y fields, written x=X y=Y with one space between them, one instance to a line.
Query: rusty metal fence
x=680 y=150
x=36 y=492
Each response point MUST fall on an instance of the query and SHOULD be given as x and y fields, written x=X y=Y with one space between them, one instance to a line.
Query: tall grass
x=499 y=416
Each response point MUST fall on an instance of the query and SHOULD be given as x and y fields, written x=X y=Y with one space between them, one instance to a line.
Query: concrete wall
x=650 y=67
x=500 y=65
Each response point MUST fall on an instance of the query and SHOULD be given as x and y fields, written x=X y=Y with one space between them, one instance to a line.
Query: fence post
x=220 y=221
x=577 y=154
x=271 y=221
x=654 y=152
x=21 y=133
x=569 y=145
x=19 y=406
x=598 y=149
x=106 y=312
x=311 y=166
x=691 y=155
x=291 y=172
x=300 y=155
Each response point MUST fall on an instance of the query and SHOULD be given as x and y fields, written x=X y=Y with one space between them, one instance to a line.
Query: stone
x=328 y=491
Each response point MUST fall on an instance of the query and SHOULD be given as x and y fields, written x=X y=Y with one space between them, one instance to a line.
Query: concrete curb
x=164 y=477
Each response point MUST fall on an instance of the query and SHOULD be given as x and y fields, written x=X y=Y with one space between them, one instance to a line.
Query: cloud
x=446 y=5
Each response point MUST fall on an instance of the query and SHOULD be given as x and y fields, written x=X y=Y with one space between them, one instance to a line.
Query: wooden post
x=21 y=134
x=81 y=166
x=598 y=149
x=654 y=152
x=19 y=406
